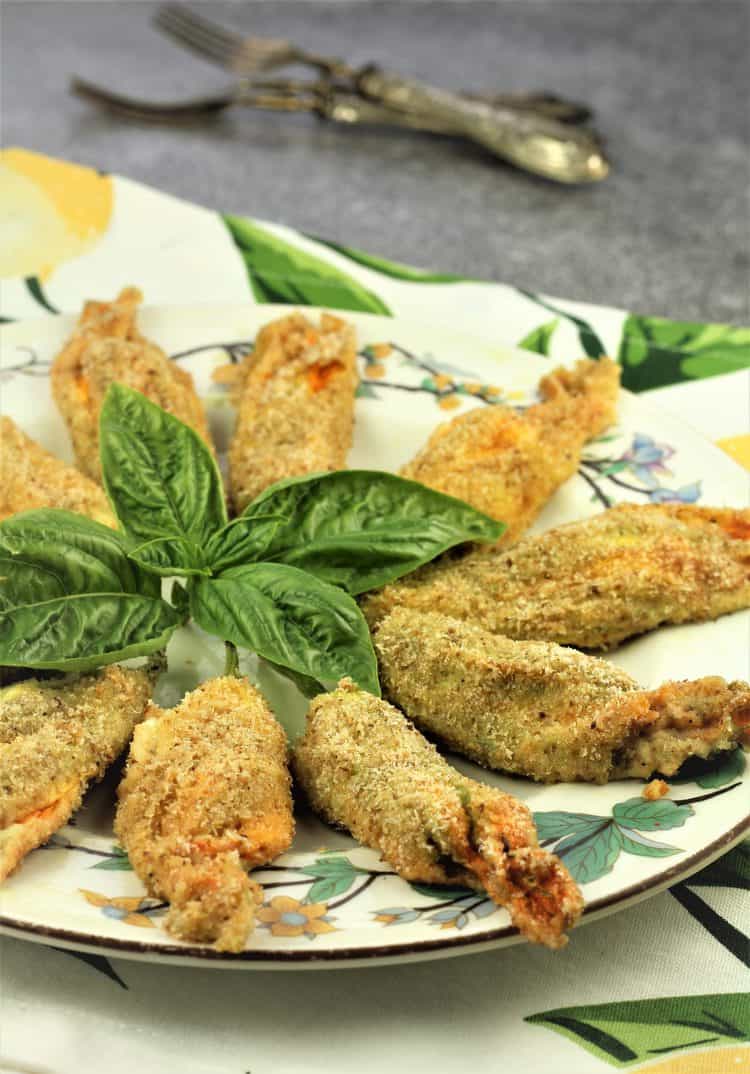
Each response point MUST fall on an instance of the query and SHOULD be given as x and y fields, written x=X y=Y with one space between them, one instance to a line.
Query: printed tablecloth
x=660 y=987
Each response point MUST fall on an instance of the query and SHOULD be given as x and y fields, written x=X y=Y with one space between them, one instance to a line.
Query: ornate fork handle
x=559 y=151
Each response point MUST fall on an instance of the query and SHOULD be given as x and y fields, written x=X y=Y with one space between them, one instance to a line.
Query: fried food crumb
x=546 y=711
x=654 y=790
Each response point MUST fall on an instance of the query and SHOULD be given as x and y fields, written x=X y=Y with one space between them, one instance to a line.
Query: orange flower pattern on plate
x=285 y=916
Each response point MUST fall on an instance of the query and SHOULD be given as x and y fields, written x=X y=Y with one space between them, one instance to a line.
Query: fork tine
x=199 y=34
x=151 y=111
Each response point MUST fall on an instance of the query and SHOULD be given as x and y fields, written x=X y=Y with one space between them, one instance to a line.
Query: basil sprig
x=278 y=580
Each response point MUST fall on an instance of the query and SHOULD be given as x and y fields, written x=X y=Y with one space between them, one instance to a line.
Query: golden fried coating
x=543 y=711
x=31 y=477
x=296 y=404
x=365 y=767
x=593 y=583
x=55 y=736
x=508 y=464
x=205 y=791
x=106 y=347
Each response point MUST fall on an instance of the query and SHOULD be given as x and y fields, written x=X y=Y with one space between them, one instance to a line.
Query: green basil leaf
x=79 y=632
x=358 y=529
x=180 y=601
x=48 y=553
x=163 y=482
x=290 y=618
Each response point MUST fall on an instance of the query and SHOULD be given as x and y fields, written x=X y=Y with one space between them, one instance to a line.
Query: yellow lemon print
x=738 y=447
x=733 y=1060
x=52 y=212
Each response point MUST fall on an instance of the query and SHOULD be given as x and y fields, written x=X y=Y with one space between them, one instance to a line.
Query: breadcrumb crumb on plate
x=655 y=789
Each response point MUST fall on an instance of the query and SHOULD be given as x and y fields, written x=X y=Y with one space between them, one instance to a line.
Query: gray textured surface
x=668 y=233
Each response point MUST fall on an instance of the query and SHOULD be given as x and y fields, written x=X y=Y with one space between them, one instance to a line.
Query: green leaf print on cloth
x=590 y=341
x=394 y=269
x=655 y=352
x=280 y=272
x=632 y=1032
x=540 y=338
x=34 y=287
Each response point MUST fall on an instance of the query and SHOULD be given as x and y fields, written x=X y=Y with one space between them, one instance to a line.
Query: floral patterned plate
x=329 y=902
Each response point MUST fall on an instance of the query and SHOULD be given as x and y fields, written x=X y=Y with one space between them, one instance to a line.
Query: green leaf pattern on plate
x=590 y=845
x=332 y=877
x=116 y=861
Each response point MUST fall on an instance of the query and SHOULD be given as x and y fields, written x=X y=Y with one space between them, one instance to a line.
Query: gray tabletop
x=668 y=233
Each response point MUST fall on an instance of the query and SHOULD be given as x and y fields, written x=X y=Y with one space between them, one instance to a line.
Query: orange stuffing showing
x=295 y=395
x=41 y=814
x=55 y=736
x=319 y=375
x=738 y=527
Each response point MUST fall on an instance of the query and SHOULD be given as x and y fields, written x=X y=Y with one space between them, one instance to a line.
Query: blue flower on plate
x=685 y=494
x=646 y=459
x=396 y=915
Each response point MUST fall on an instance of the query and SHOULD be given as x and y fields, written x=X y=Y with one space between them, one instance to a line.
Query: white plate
x=339 y=903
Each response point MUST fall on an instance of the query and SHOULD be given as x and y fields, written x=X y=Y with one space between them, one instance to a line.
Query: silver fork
x=531 y=142
x=247 y=55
